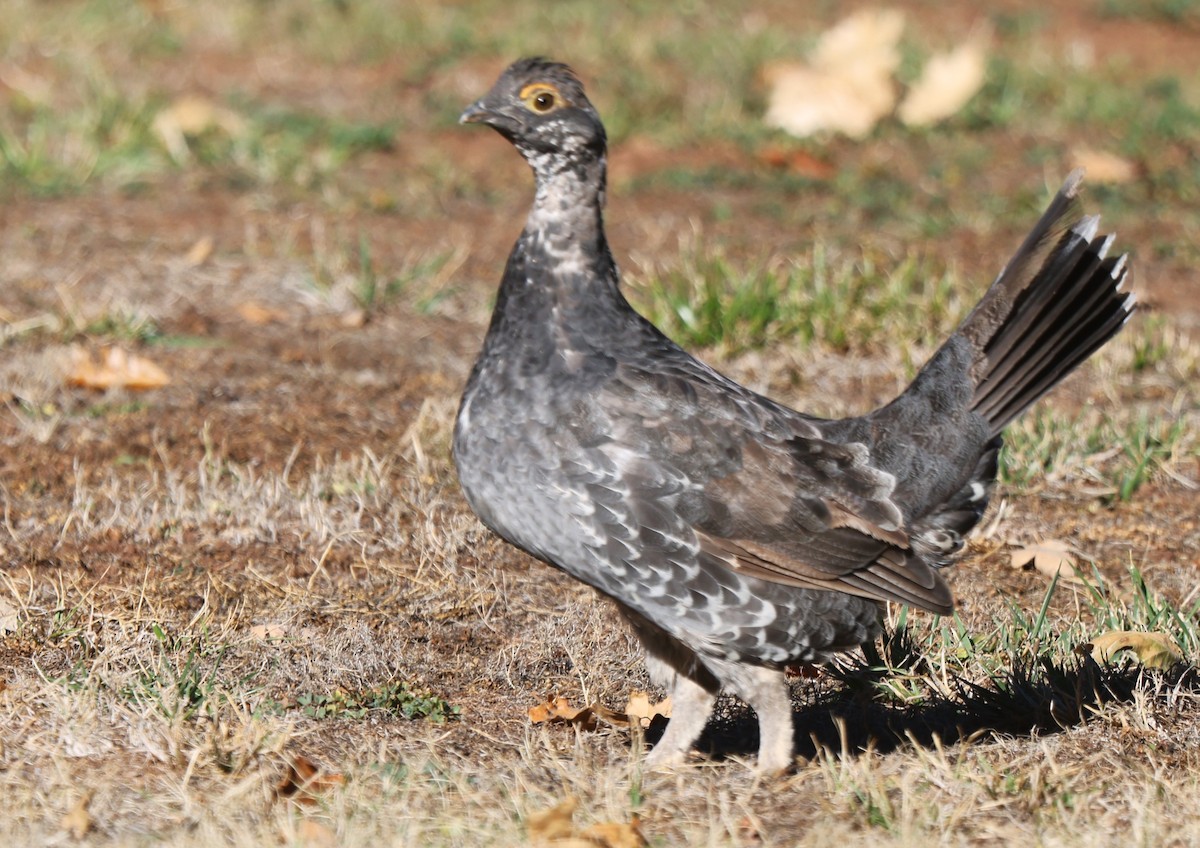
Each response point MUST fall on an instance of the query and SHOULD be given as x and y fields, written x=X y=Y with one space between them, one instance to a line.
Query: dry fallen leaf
x=200 y=251
x=115 y=369
x=847 y=84
x=313 y=834
x=947 y=83
x=554 y=823
x=268 y=632
x=10 y=618
x=614 y=835
x=1050 y=557
x=640 y=709
x=31 y=87
x=1152 y=649
x=799 y=162
x=190 y=116
x=867 y=40
x=303 y=781
x=555 y=827
x=558 y=709
x=78 y=821
x=1104 y=167
x=258 y=315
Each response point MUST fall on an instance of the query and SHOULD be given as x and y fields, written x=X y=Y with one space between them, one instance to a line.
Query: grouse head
x=540 y=107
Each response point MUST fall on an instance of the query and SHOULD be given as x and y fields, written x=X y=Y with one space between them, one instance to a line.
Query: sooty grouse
x=736 y=535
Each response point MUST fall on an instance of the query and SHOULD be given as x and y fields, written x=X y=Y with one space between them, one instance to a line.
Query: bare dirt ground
x=186 y=571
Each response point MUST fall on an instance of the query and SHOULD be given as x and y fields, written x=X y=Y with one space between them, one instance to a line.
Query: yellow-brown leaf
x=847 y=84
x=115 y=368
x=303 y=781
x=554 y=823
x=268 y=632
x=257 y=314
x=615 y=835
x=313 y=834
x=78 y=821
x=1152 y=649
x=189 y=116
x=1051 y=557
x=560 y=709
x=947 y=83
x=200 y=251
x=640 y=709
x=557 y=708
x=556 y=827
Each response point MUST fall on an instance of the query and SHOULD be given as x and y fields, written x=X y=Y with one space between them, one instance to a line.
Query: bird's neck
x=565 y=251
x=560 y=286
x=568 y=206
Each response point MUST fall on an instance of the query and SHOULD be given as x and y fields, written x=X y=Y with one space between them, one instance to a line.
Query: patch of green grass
x=422 y=281
x=1023 y=91
x=288 y=146
x=122 y=327
x=101 y=134
x=1147 y=443
x=363 y=486
x=1110 y=607
x=875 y=807
x=1045 y=442
x=395 y=699
x=119 y=325
x=112 y=24
x=709 y=301
x=69 y=625
x=675 y=74
x=709 y=177
x=672 y=72
x=105 y=410
x=181 y=679
x=367 y=290
x=1153 y=342
x=185 y=342
x=1145 y=116
x=178 y=682
x=52 y=148
x=1168 y=11
x=1009 y=92
x=351 y=275
x=129 y=459
x=1117 y=455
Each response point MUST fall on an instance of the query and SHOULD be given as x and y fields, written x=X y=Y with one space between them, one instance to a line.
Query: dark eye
x=543 y=101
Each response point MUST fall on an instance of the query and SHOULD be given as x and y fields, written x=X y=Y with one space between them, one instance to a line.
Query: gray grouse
x=738 y=536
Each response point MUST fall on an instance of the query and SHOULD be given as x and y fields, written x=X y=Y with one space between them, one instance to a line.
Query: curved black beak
x=480 y=112
x=476 y=113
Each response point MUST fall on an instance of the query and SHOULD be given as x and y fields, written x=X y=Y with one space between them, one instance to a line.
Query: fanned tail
x=1058 y=300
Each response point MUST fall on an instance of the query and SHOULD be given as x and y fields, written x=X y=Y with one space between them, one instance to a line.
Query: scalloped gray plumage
x=736 y=535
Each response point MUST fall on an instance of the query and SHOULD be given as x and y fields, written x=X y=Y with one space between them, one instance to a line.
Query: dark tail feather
x=1056 y=302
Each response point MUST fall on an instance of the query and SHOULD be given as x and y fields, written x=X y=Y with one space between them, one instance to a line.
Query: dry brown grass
x=263 y=563
x=135 y=678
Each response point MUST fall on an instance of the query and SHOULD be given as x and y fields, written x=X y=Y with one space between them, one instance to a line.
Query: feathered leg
x=691 y=686
x=691 y=705
x=766 y=691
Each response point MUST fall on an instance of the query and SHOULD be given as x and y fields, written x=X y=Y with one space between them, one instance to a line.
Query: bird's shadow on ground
x=851 y=709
